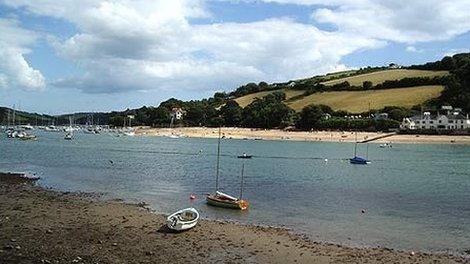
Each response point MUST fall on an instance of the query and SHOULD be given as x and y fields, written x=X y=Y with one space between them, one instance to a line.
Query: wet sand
x=46 y=226
x=273 y=134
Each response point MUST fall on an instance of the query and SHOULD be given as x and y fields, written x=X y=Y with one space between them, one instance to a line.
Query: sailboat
x=221 y=199
x=358 y=159
x=69 y=131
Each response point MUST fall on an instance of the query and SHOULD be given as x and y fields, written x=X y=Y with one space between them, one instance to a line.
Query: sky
x=93 y=55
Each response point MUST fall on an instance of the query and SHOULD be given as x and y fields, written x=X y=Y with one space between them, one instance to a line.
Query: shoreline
x=50 y=226
x=318 y=136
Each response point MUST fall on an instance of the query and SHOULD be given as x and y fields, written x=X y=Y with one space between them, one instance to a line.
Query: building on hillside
x=454 y=119
x=394 y=66
x=380 y=116
x=177 y=113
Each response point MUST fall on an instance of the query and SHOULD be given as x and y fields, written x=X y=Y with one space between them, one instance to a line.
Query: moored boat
x=385 y=145
x=244 y=156
x=183 y=219
x=220 y=199
x=359 y=160
x=68 y=136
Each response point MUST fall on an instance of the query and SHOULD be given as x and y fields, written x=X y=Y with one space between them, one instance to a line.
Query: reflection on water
x=414 y=196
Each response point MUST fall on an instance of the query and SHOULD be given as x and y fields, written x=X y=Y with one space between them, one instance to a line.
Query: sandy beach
x=47 y=226
x=328 y=136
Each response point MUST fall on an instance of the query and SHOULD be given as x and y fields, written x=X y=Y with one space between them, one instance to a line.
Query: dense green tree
x=279 y=95
x=117 y=121
x=159 y=116
x=263 y=86
x=397 y=114
x=268 y=112
x=310 y=117
x=172 y=103
x=231 y=113
x=367 y=85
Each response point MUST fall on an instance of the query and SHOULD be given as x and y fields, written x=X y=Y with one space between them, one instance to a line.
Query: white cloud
x=414 y=49
x=15 y=71
x=142 y=45
x=452 y=52
x=394 y=20
x=127 y=45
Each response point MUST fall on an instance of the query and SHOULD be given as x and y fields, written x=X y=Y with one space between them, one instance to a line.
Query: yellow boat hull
x=215 y=201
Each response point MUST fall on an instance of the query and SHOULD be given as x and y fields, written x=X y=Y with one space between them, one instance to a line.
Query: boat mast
x=14 y=115
x=367 y=151
x=241 y=184
x=218 y=163
x=355 y=147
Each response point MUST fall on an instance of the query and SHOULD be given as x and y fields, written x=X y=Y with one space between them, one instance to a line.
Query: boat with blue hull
x=359 y=160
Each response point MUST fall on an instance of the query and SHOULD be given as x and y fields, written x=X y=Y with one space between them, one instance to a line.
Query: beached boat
x=183 y=219
x=221 y=199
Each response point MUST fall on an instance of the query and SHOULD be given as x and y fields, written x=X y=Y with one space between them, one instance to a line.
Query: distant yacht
x=68 y=136
x=52 y=128
x=69 y=130
x=358 y=159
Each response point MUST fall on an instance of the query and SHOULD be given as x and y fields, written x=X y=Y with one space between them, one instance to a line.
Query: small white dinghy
x=183 y=219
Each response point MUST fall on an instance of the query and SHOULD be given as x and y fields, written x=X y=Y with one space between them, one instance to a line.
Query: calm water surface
x=415 y=196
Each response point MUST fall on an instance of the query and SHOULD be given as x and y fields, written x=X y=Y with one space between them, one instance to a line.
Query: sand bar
x=273 y=134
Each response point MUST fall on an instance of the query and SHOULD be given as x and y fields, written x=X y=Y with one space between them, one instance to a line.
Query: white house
x=394 y=66
x=454 y=119
x=177 y=113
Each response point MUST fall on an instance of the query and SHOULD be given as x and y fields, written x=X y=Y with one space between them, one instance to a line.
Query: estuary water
x=415 y=196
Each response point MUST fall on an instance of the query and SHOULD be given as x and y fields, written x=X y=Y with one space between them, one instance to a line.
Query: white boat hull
x=177 y=222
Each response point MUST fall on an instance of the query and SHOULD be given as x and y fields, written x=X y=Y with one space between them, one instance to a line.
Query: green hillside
x=358 y=101
x=247 y=99
x=381 y=76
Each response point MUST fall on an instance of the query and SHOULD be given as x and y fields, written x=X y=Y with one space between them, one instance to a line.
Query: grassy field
x=357 y=102
x=381 y=76
x=247 y=99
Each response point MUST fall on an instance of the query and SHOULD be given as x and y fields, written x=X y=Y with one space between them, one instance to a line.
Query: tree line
x=265 y=113
x=457 y=88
